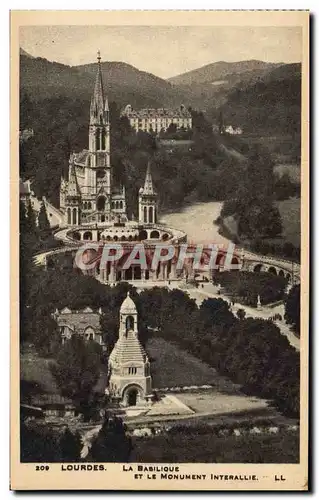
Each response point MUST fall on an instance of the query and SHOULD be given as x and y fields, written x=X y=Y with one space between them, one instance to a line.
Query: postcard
x=159 y=250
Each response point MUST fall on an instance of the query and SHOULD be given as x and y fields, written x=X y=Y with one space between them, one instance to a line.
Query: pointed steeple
x=148 y=184
x=99 y=105
x=73 y=187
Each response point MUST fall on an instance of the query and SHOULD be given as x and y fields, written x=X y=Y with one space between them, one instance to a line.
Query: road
x=210 y=291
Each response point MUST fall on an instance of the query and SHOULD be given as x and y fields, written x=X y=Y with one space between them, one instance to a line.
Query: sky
x=165 y=51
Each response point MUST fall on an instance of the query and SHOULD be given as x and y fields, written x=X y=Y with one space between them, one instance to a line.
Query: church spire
x=73 y=187
x=148 y=184
x=99 y=105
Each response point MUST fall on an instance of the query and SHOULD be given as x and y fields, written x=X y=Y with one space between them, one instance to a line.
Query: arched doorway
x=272 y=270
x=281 y=273
x=128 y=274
x=220 y=260
x=258 y=268
x=101 y=203
x=137 y=273
x=143 y=235
x=132 y=397
x=133 y=394
x=87 y=235
x=155 y=234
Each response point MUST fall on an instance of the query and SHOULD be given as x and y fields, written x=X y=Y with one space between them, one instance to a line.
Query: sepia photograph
x=161 y=225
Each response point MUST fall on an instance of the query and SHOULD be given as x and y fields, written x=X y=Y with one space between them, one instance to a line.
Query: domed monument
x=129 y=367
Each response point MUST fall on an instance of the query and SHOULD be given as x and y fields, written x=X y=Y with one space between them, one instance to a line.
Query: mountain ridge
x=219 y=70
x=123 y=82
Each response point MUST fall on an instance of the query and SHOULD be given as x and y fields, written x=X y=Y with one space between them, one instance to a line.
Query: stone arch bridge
x=246 y=261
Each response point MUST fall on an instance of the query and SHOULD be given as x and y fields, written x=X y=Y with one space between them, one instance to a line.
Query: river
x=197 y=221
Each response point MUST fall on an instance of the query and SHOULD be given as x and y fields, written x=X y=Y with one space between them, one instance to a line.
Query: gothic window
x=101 y=203
x=103 y=140
x=121 y=204
x=150 y=215
x=89 y=206
x=113 y=204
x=129 y=323
x=69 y=215
x=74 y=216
x=145 y=214
x=132 y=370
x=97 y=139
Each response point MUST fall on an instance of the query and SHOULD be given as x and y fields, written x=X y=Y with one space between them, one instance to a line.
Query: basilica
x=93 y=206
x=89 y=194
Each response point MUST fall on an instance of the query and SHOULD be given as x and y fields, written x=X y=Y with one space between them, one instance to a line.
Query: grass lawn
x=217 y=402
x=208 y=448
x=290 y=216
x=36 y=371
x=173 y=367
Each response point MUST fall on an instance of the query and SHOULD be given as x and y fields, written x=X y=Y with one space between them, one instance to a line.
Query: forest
x=205 y=172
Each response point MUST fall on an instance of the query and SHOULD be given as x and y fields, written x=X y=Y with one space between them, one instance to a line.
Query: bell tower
x=99 y=132
x=129 y=368
x=147 y=200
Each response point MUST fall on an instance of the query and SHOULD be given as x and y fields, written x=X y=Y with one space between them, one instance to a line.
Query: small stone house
x=85 y=323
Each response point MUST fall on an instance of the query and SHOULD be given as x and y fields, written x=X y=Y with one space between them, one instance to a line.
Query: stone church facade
x=130 y=379
x=89 y=195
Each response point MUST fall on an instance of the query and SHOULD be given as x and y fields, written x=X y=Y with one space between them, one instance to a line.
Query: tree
x=217 y=312
x=292 y=308
x=111 y=444
x=39 y=444
x=23 y=218
x=70 y=446
x=31 y=219
x=43 y=221
x=77 y=369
